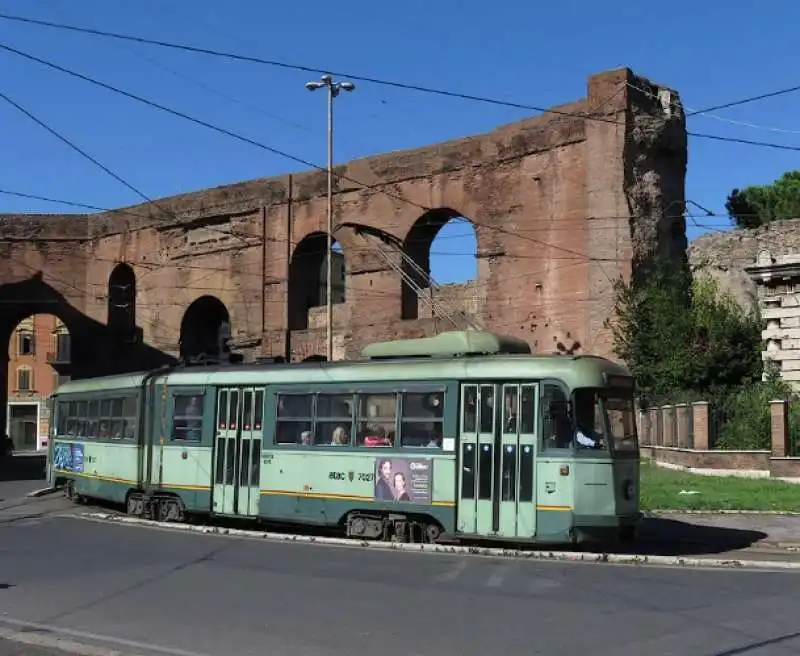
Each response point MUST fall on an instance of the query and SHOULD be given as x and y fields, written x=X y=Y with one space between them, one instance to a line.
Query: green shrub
x=741 y=420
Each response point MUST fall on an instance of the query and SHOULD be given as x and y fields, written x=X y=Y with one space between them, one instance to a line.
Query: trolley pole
x=333 y=90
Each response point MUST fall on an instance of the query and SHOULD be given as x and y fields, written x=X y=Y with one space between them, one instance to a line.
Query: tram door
x=237 y=451
x=497 y=453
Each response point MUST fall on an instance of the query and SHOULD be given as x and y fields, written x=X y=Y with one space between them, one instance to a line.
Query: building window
x=59 y=380
x=62 y=347
x=24 y=379
x=25 y=343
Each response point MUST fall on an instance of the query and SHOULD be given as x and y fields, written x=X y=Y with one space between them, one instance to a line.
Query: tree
x=651 y=329
x=679 y=336
x=726 y=349
x=761 y=204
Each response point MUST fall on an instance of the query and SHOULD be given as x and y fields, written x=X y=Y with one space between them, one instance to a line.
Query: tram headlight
x=628 y=490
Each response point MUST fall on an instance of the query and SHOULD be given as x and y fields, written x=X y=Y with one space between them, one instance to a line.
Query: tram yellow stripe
x=556 y=508
x=336 y=497
x=315 y=495
x=125 y=481
x=97 y=477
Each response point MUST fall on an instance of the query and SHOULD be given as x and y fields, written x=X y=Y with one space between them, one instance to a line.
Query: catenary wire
x=76 y=148
x=396 y=84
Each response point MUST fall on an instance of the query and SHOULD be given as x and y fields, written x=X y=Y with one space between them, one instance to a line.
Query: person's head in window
x=339 y=436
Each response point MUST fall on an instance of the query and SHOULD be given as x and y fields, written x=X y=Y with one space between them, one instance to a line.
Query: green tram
x=465 y=435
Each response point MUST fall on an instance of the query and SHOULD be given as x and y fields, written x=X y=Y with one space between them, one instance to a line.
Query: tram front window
x=603 y=418
x=621 y=421
x=590 y=425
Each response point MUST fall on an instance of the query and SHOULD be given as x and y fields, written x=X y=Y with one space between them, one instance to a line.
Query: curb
x=62 y=644
x=561 y=556
x=664 y=511
x=43 y=492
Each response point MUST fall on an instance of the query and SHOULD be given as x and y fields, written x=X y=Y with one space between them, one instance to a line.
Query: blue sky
x=526 y=52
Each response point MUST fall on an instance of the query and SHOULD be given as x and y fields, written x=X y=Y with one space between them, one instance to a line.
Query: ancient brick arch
x=205 y=329
x=307 y=287
x=94 y=347
x=121 y=315
x=417 y=264
x=564 y=203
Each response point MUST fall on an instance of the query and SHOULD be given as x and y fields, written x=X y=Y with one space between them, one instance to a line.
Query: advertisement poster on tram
x=408 y=480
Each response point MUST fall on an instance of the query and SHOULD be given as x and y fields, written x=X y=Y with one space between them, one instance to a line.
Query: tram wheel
x=432 y=532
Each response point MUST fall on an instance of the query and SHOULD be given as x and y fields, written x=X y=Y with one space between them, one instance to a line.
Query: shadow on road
x=24 y=468
x=669 y=537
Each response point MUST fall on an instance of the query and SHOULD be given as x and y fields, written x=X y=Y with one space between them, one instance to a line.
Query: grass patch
x=660 y=490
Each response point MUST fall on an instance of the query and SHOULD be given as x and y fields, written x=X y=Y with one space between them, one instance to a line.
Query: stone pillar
x=655 y=427
x=779 y=425
x=682 y=425
x=701 y=418
x=643 y=427
x=669 y=425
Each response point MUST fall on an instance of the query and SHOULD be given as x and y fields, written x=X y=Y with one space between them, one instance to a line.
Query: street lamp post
x=333 y=90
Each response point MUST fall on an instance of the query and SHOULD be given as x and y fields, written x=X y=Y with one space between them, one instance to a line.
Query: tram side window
x=295 y=415
x=111 y=418
x=556 y=424
x=527 y=419
x=486 y=417
x=62 y=411
x=187 y=418
x=94 y=418
x=422 y=423
x=334 y=419
x=377 y=419
x=469 y=421
x=104 y=428
x=129 y=418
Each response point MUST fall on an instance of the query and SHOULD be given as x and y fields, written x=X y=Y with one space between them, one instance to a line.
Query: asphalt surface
x=158 y=591
x=119 y=589
x=12 y=648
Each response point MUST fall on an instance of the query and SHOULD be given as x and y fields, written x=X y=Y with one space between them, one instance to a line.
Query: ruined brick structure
x=562 y=203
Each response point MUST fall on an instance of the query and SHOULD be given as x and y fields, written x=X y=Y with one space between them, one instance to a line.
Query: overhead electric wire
x=743 y=101
x=76 y=148
x=392 y=83
x=263 y=146
x=278 y=64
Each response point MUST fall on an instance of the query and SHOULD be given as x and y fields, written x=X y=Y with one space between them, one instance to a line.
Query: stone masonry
x=563 y=204
x=724 y=256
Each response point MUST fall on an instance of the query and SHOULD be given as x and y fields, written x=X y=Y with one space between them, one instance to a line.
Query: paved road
x=12 y=648
x=185 y=593
x=21 y=475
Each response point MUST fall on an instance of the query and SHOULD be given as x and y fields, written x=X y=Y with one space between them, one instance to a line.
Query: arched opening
x=39 y=362
x=308 y=278
x=122 y=302
x=443 y=245
x=205 y=329
x=315 y=358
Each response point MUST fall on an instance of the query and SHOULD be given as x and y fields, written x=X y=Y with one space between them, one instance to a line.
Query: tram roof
x=573 y=370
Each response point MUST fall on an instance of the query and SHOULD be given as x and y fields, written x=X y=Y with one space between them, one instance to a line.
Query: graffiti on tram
x=68 y=457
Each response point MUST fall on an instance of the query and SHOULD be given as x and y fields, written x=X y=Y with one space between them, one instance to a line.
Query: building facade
x=777 y=280
x=39 y=356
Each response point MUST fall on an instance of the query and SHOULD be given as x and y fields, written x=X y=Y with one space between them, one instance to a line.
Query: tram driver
x=585 y=434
